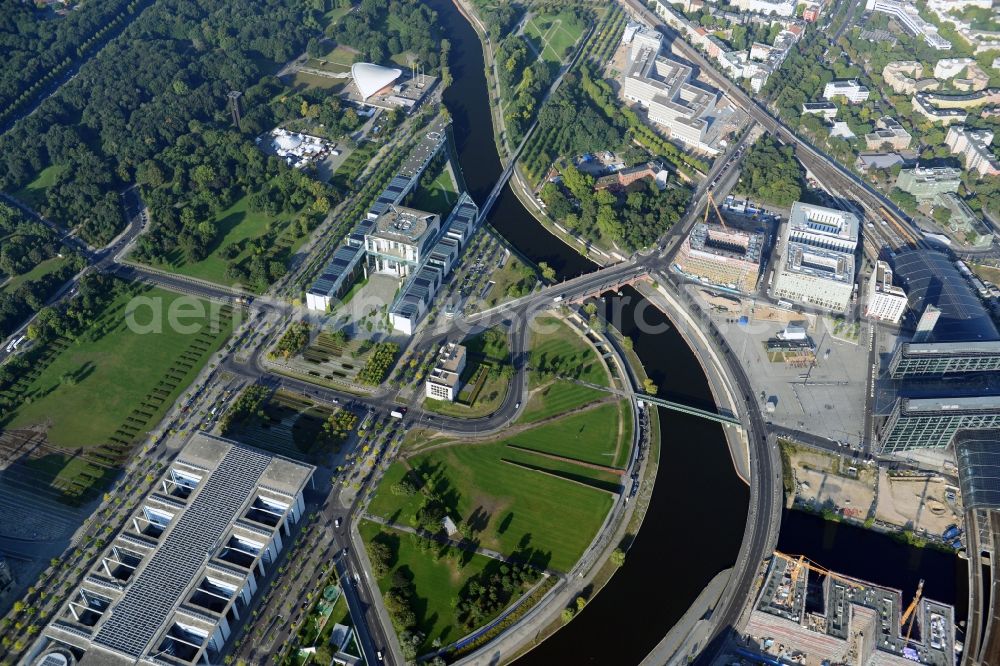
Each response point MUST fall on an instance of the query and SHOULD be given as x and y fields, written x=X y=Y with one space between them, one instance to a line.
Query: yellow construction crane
x=908 y=613
x=794 y=577
x=812 y=566
x=711 y=201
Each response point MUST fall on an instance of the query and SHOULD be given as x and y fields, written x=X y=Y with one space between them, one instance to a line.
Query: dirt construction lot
x=829 y=481
x=918 y=502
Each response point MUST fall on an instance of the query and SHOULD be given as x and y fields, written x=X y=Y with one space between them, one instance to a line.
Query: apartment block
x=907 y=15
x=850 y=90
x=974 y=147
x=888 y=132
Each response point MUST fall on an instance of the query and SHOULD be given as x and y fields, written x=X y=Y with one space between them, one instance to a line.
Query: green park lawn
x=439 y=197
x=41 y=270
x=546 y=519
x=558 y=397
x=236 y=223
x=553 y=34
x=437 y=580
x=555 y=344
x=34 y=192
x=590 y=436
x=114 y=369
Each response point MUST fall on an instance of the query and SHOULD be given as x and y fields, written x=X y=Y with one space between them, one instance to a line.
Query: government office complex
x=176 y=582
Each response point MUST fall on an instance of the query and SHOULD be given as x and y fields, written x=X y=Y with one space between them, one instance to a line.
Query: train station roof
x=931 y=278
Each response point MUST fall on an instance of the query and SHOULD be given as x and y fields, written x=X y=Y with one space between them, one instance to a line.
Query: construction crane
x=711 y=201
x=812 y=566
x=794 y=576
x=908 y=613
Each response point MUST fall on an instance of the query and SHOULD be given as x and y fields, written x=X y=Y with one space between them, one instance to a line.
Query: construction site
x=806 y=614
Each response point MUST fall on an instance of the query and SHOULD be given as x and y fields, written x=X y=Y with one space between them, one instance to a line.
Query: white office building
x=906 y=14
x=767 y=7
x=852 y=91
x=815 y=264
x=177 y=580
x=444 y=381
x=662 y=86
x=886 y=302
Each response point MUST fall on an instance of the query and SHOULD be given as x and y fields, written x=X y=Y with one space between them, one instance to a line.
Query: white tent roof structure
x=371 y=78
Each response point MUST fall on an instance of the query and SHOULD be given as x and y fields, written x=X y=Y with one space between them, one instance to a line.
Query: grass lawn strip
x=553 y=517
x=558 y=397
x=588 y=435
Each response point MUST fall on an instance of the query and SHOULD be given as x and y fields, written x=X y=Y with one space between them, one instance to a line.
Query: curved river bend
x=695 y=521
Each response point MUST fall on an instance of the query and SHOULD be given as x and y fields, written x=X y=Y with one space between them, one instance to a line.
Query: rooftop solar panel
x=147 y=603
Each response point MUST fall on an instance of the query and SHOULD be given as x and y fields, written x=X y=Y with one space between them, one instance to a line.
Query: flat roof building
x=927 y=182
x=937 y=359
x=906 y=77
x=888 y=132
x=663 y=87
x=923 y=105
x=436 y=263
x=815 y=263
x=886 y=302
x=907 y=15
x=850 y=90
x=444 y=381
x=177 y=580
x=832 y=618
x=826 y=109
x=931 y=423
x=722 y=257
x=400 y=239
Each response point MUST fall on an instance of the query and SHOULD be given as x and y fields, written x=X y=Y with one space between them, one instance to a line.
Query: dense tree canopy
x=771 y=173
x=173 y=66
x=383 y=28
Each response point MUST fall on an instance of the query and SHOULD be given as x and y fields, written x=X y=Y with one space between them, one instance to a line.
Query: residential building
x=888 y=132
x=662 y=86
x=975 y=79
x=974 y=147
x=174 y=584
x=815 y=264
x=722 y=256
x=907 y=15
x=444 y=381
x=886 y=302
x=967 y=101
x=828 y=110
x=811 y=13
x=927 y=182
x=923 y=106
x=850 y=90
x=906 y=77
x=981 y=38
x=947 y=68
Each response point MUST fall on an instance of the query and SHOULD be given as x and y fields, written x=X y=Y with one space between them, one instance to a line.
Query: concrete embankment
x=723 y=386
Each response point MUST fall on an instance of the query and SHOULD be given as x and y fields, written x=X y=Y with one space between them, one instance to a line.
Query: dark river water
x=695 y=521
